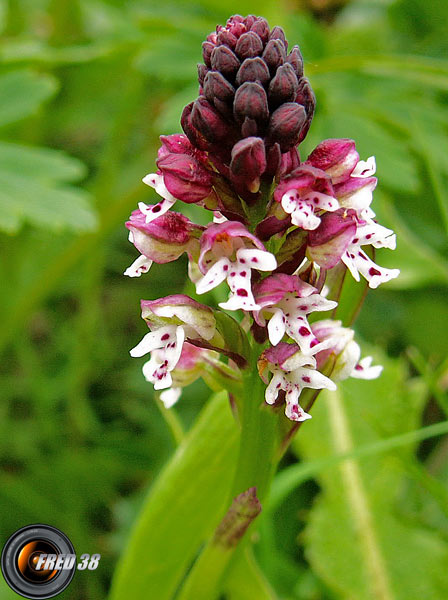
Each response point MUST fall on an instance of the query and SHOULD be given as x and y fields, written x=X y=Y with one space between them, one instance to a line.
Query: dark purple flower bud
x=285 y=125
x=249 y=127
x=185 y=178
x=270 y=226
x=261 y=28
x=248 y=162
x=207 y=120
x=227 y=38
x=338 y=157
x=330 y=240
x=278 y=34
x=217 y=86
x=195 y=137
x=249 y=21
x=207 y=49
x=284 y=86
x=175 y=144
x=305 y=97
x=273 y=159
x=274 y=55
x=225 y=61
x=253 y=69
x=202 y=72
x=251 y=101
x=290 y=161
x=249 y=45
x=296 y=60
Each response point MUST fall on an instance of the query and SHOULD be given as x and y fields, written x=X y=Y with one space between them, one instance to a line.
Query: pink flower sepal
x=330 y=240
x=161 y=240
x=337 y=157
x=197 y=319
x=184 y=169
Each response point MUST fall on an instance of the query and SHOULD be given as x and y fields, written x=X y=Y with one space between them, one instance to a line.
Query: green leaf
x=43 y=164
x=31 y=190
x=43 y=205
x=182 y=509
x=245 y=581
x=355 y=534
x=21 y=94
x=418 y=69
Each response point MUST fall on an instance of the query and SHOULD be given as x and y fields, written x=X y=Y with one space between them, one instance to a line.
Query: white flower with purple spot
x=139 y=266
x=229 y=252
x=357 y=261
x=172 y=320
x=304 y=193
x=292 y=371
x=289 y=300
x=152 y=211
x=340 y=343
x=365 y=168
x=303 y=209
x=165 y=346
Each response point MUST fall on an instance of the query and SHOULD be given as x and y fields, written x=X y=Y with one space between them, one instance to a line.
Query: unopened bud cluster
x=282 y=229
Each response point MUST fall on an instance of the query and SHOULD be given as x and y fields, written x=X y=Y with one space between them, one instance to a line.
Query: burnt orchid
x=283 y=232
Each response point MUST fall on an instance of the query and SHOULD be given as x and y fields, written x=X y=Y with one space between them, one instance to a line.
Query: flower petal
x=261 y=260
x=276 y=327
x=153 y=211
x=364 y=370
x=311 y=378
x=374 y=274
x=322 y=201
x=365 y=168
x=304 y=217
x=313 y=303
x=376 y=235
x=170 y=396
x=154 y=340
x=276 y=383
x=239 y=280
x=214 y=276
x=139 y=266
x=295 y=412
x=155 y=180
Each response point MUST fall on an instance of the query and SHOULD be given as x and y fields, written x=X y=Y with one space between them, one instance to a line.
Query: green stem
x=255 y=468
x=256 y=463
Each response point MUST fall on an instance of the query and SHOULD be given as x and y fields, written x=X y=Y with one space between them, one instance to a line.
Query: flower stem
x=256 y=463
x=255 y=469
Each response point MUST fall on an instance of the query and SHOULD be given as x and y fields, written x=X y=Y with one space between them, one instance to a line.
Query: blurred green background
x=86 y=88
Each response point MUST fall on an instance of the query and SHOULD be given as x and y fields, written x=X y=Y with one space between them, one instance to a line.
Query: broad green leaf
x=182 y=509
x=21 y=94
x=39 y=201
x=356 y=539
x=43 y=164
x=418 y=69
